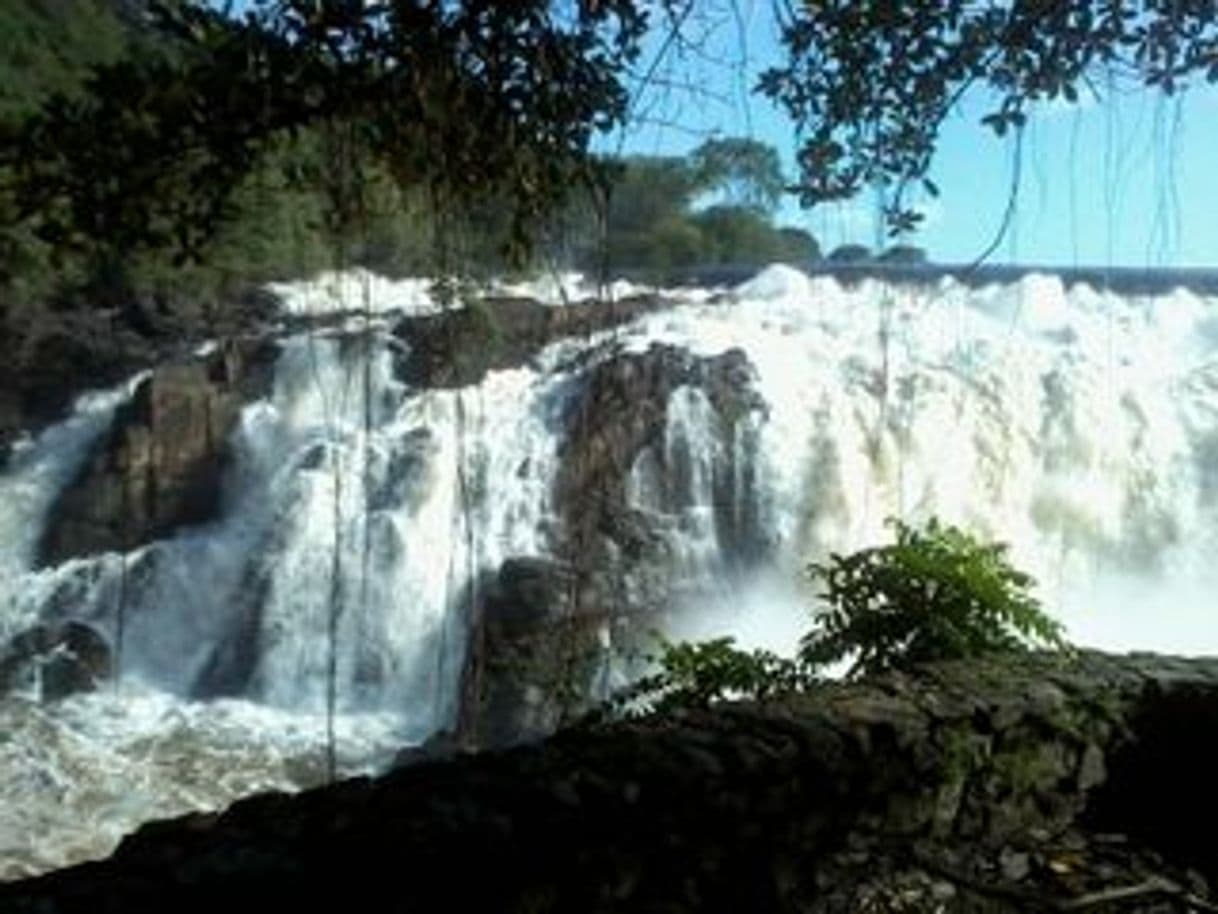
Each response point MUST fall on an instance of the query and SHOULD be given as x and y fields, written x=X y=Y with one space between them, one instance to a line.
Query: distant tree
x=737 y=234
x=903 y=254
x=850 y=253
x=651 y=222
x=744 y=172
x=799 y=245
x=647 y=190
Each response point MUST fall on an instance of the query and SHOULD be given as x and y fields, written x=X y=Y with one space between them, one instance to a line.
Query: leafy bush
x=694 y=674
x=936 y=593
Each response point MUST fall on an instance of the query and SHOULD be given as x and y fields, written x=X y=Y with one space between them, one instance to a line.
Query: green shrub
x=697 y=673
x=936 y=593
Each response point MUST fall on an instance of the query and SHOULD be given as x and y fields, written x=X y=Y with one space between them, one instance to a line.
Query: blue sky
x=1129 y=179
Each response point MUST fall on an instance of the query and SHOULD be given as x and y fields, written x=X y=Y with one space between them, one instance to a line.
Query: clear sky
x=1128 y=179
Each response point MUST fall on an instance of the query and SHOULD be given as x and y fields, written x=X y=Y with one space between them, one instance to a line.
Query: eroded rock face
x=620 y=415
x=160 y=466
x=458 y=348
x=53 y=354
x=533 y=655
x=55 y=660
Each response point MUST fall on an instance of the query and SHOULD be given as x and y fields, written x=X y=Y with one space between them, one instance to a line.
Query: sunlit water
x=1080 y=427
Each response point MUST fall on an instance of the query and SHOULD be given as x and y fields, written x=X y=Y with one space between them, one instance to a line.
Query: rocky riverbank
x=1033 y=784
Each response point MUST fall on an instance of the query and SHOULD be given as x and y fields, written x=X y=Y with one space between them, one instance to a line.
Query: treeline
x=313 y=203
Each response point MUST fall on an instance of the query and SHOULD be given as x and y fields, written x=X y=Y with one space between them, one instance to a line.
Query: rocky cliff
x=542 y=625
x=160 y=467
x=459 y=347
x=1018 y=784
x=51 y=355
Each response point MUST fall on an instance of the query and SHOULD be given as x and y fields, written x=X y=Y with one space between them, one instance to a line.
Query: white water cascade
x=1079 y=426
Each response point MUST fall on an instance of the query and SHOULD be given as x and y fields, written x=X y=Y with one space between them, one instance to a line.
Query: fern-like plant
x=697 y=673
x=936 y=593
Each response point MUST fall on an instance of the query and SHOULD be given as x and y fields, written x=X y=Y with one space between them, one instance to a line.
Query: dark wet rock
x=161 y=465
x=230 y=668
x=533 y=656
x=406 y=479
x=542 y=629
x=441 y=746
x=824 y=803
x=459 y=347
x=622 y=410
x=52 y=355
x=55 y=660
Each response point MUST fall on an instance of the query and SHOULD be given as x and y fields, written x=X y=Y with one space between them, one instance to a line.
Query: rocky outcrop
x=54 y=353
x=623 y=408
x=458 y=348
x=54 y=660
x=962 y=787
x=620 y=413
x=533 y=655
x=541 y=628
x=160 y=466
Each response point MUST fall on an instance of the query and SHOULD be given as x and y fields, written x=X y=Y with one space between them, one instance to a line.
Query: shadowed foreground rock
x=965 y=788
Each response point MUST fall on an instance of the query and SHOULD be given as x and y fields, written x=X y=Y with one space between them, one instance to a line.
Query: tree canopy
x=869 y=83
x=465 y=100
x=454 y=104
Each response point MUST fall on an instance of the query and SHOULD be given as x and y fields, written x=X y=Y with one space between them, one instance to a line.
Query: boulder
x=457 y=348
x=621 y=412
x=55 y=660
x=534 y=653
x=160 y=467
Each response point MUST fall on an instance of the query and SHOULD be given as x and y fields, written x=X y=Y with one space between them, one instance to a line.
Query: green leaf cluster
x=871 y=82
x=695 y=674
x=936 y=593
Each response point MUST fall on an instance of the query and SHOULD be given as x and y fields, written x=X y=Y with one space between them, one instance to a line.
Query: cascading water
x=1081 y=427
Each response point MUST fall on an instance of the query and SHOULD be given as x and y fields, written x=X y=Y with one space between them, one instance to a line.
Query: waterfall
x=1080 y=426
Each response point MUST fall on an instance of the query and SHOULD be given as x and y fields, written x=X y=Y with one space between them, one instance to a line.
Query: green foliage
x=465 y=101
x=903 y=255
x=739 y=234
x=47 y=47
x=695 y=674
x=873 y=81
x=744 y=172
x=937 y=593
x=654 y=224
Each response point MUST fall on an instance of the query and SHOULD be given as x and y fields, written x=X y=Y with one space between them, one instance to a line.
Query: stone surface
x=55 y=660
x=618 y=417
x=786 y=806
x=160 y=467
x=458 y=348
x=51 y=355
x=533 y=657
